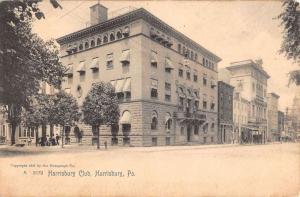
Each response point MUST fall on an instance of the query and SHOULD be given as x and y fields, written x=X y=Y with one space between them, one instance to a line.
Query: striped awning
x=81 y=67
x=153 y=57
x=95 y=64
x=126 y=118
x=169 y=64
x=125 y=57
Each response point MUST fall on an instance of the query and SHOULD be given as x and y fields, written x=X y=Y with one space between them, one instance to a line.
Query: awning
x=125 y=57
x=154 y=83
x=109 y=57
x=81 y=67
x=168 y=117
x=68 y=90
x=127 y=86
x=126 y=118
x=95 y=64
x=169 y=64
x=153 y=57
x=119 y=85
x=70 y=69
x=113 y=83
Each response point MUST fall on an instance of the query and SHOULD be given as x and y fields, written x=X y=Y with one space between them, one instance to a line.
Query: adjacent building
x=250 y=100
x=165 y=82
x=225 y=113
x=273 y=130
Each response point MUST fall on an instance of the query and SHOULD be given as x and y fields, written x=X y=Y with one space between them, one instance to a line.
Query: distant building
x=165 y=82
x=225 y=113
x=273 y=131
x=281 y=123
x=250 y=82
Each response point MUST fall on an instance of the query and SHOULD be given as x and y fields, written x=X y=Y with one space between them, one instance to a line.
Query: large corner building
x=165 y=82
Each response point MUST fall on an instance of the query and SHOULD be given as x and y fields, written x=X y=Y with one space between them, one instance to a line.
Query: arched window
x=154 y=121
x=80 y=47
x=92 y=43
x=86 y=46
x=179 y=48
x=119 y=35
x=105 y=39
x=112 y=36
x=168 y=121
x=98 y=41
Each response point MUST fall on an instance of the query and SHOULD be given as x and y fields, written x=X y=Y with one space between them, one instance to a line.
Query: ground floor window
x=168 y=141
x=181 y=130
x=126 y=141
x=196 y=130
x=114 y=141
x=204 y=140
x=212 y=139
x=154 y=141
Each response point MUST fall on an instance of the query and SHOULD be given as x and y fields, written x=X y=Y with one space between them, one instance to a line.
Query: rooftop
x=132 y=15
x=257 y=65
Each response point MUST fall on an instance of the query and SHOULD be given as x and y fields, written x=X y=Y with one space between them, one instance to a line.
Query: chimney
x=98 y=14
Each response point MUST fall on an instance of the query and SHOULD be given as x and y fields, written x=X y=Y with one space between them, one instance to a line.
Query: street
x=212 y=170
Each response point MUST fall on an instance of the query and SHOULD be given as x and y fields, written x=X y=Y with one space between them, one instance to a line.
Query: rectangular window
x=154 y=86
x=188 y=75
x=212 y=139
x=181 y=101
x=196 y=130
x=180 y=73
x=167 y=86
x=212 y=106
x=181 y=130
x=205 y=80
x=154 y=141
x=204 y=140
x=168 y=141
x=204 y=104
x=153 y=59
x=196 y=105
x=109 y=61
x=168 y=97
x=195 y=78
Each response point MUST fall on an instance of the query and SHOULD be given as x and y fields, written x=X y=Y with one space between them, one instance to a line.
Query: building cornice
x=132 y=16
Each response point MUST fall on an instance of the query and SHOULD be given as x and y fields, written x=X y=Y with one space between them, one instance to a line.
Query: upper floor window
x=167 y=86
x=153 y=59
x=109 y=61
x=80 y=47
x=168 y=121
x=203 y=61
x=154 y=121
x=154 y=86
x=92 y=43
x=196 y=57
x=86 y=45
x=180 y=72
x=192 y=55
x=188 y=75
x=195 y=78
x=105 y=39
x=119 y=35
x=204 y=79
x=112 y=37
x=196 y=130
x=98 y=41
x=179 y=48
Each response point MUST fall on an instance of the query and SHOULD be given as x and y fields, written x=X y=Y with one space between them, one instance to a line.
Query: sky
x=233 y=30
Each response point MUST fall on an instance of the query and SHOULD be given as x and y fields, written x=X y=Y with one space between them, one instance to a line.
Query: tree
x=100 y=107
x=38 y=113
x=25 y=59
x=290 y=46
x=64 y=111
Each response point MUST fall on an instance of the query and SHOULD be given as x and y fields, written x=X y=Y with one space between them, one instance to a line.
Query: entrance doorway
x=189 y=133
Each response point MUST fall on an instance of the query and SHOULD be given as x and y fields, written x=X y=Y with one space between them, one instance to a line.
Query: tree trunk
x=36 y=136
x=51 y=130
x=13 y=133
x=98 y=137
x=62 y=137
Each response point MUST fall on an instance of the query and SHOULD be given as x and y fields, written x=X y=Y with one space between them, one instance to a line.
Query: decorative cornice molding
x=132 y=16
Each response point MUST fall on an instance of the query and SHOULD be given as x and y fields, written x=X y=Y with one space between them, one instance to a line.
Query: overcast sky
x=233 y=30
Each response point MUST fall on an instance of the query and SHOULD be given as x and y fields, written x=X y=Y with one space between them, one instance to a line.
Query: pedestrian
x=105 y=144
x=57 y=139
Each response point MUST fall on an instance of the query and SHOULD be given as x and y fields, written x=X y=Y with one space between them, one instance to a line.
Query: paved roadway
x=230 y=170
